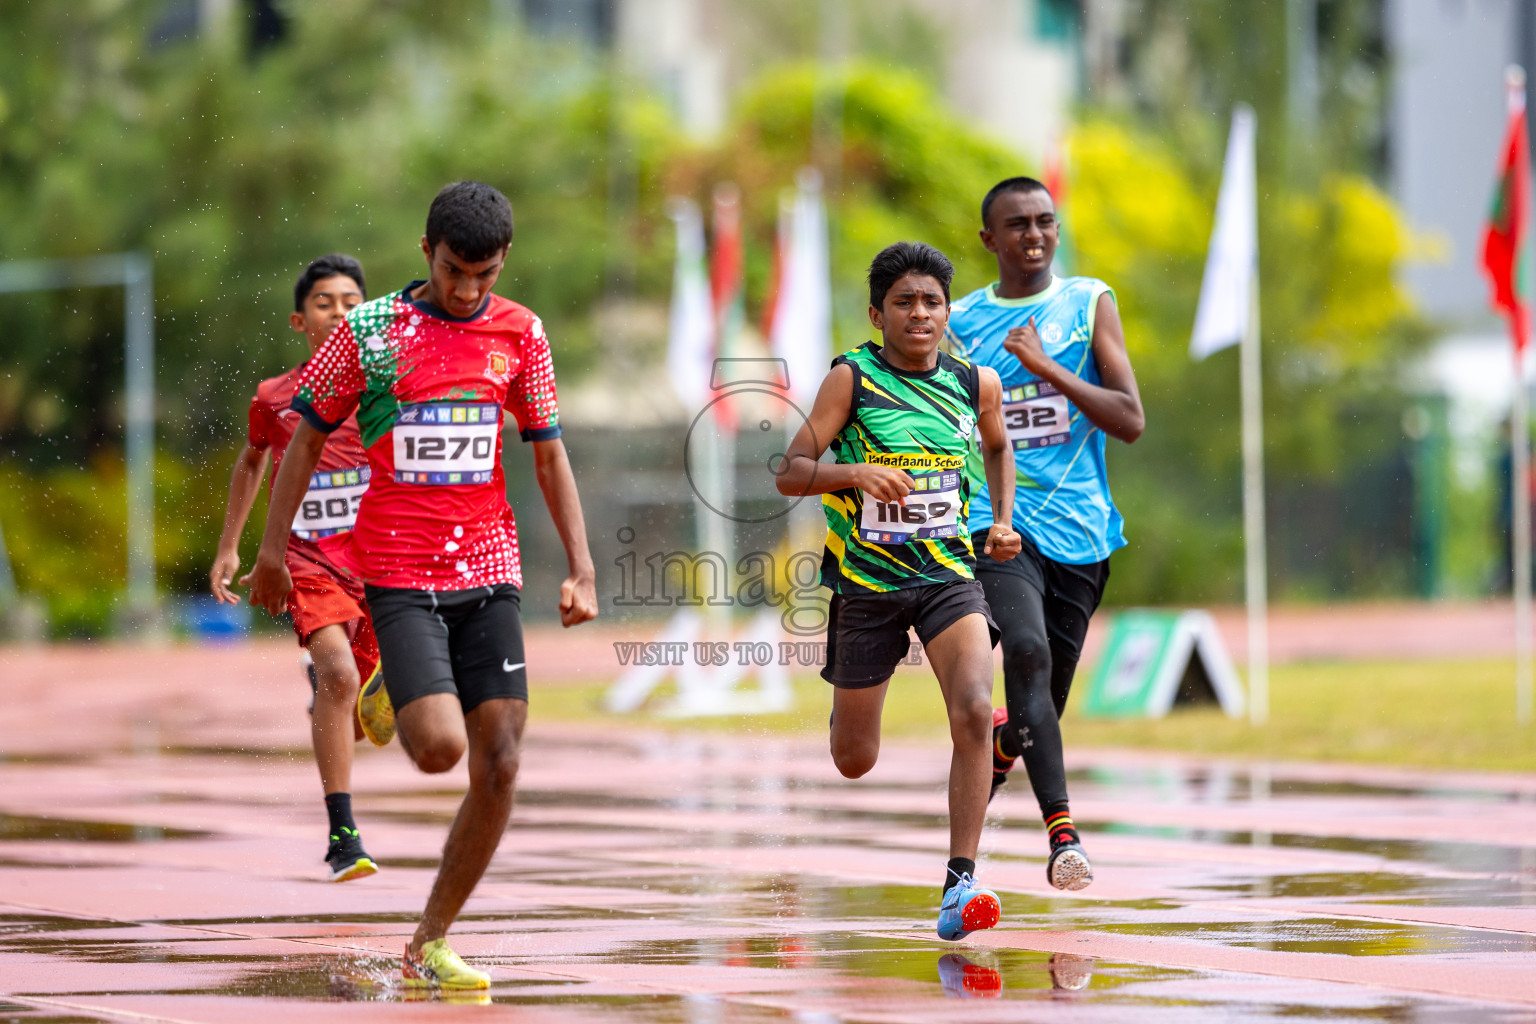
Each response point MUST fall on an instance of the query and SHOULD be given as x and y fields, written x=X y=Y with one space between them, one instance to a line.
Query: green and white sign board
x=1155 y=658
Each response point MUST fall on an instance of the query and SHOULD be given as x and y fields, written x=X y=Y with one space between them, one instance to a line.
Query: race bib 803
x=1036 y=416
x=930 y=511
x=330 y=504
x=446 y=442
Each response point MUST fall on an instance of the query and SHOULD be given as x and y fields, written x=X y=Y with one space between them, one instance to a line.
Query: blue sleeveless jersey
x=1062 y=500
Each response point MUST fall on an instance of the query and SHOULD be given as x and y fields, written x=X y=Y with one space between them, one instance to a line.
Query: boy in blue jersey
x=1059 y=348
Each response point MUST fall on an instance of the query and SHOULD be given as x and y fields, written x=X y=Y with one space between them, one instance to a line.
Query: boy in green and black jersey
x=899 y=417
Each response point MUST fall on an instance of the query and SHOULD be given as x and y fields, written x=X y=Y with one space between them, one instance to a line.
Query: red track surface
x=161 y=829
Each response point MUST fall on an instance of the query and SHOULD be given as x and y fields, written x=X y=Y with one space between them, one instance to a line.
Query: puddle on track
x=649 y=931
x=27 y=827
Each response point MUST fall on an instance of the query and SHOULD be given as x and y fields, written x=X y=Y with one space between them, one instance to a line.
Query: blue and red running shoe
x=967 y=908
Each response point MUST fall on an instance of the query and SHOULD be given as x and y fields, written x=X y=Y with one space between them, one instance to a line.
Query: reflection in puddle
x=1349 y=937
x=1222 y=782
x=28 y=827
x=1460 y=857
x=960 y=977
x=1071 y=973
x=1387 y=887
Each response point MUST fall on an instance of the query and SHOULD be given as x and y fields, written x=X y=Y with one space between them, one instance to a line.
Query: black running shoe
x=346 y=857
x=1001 y=765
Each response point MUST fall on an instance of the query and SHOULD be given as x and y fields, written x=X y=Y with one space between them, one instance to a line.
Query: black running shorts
x=465 y=642
x=867 y=633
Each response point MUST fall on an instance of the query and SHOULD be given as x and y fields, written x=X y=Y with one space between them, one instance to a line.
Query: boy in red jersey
x=429 y=371
x=327 y=605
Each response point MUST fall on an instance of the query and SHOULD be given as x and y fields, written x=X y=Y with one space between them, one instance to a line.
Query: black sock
x=1058 y=821
x=958 y=866
x=338 y=807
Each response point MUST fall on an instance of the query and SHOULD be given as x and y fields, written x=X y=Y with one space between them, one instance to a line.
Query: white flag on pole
x=802 y=316
x=691 y=336
x=1232 y=265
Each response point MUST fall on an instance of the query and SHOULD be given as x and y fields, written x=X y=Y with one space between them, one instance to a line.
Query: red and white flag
x=725 y=275
x=801 y=332
x=1505 y=259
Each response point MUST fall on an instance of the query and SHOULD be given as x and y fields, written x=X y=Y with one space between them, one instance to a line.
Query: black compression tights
x=1039 y=661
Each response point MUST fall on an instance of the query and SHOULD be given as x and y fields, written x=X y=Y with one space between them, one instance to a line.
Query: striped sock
x=1058 y=822
x=1001 y=762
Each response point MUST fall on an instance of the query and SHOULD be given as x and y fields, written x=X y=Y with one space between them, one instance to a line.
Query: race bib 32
x=1036 y=416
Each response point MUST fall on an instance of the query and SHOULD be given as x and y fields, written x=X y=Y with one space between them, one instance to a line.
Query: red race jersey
x=336 y=488
x=429 y=391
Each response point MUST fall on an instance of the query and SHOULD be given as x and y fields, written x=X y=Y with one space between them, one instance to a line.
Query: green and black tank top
x=922 y=423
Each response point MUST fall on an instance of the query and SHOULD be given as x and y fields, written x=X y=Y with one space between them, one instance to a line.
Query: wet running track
x=161 y=835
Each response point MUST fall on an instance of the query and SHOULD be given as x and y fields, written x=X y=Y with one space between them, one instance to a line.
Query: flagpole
x=1255 y=563
x=725 y=283
x=1520 y=523
x=1514 y=201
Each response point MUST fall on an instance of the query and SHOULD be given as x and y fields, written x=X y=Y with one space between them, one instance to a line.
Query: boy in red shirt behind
x=329 y=612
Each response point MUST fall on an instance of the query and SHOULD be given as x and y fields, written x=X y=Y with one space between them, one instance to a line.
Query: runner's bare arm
x=268 y=579
x=244 y=482
x=800 y=472
x=578 y=594
x=1003 y=541
x=1113 y=406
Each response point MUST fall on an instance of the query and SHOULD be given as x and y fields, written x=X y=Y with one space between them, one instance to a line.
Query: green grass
x=1430 y=714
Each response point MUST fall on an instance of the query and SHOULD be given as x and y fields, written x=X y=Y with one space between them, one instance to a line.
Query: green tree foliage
x=235 y=169
x=1336 y=329
x=898 y=166
x=1140 y=211
x=1314 y=70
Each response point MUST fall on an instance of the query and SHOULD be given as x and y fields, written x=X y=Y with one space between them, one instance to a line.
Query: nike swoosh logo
x=507 y=666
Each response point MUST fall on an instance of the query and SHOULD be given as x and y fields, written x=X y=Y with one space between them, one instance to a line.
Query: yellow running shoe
x=375 y=713
x=438 y=966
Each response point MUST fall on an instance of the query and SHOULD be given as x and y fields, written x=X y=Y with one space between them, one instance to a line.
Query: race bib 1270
x=446 y=442
x=930 y=511
x=1036 y=416
x=330 y=505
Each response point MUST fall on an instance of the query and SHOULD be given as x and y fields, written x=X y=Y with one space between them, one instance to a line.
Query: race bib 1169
x=1036 y=416
x=930 y=511
x=330 y=505
x=446 y=442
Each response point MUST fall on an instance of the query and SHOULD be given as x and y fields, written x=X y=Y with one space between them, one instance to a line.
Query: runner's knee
x=855 y=757
x=970 y=718
x=337 y=678
x=435 y=755
x=496 y=769
x=1026 y=653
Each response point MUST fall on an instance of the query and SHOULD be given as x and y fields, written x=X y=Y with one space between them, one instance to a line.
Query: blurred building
x=1446 y=122
x=1014 y=66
